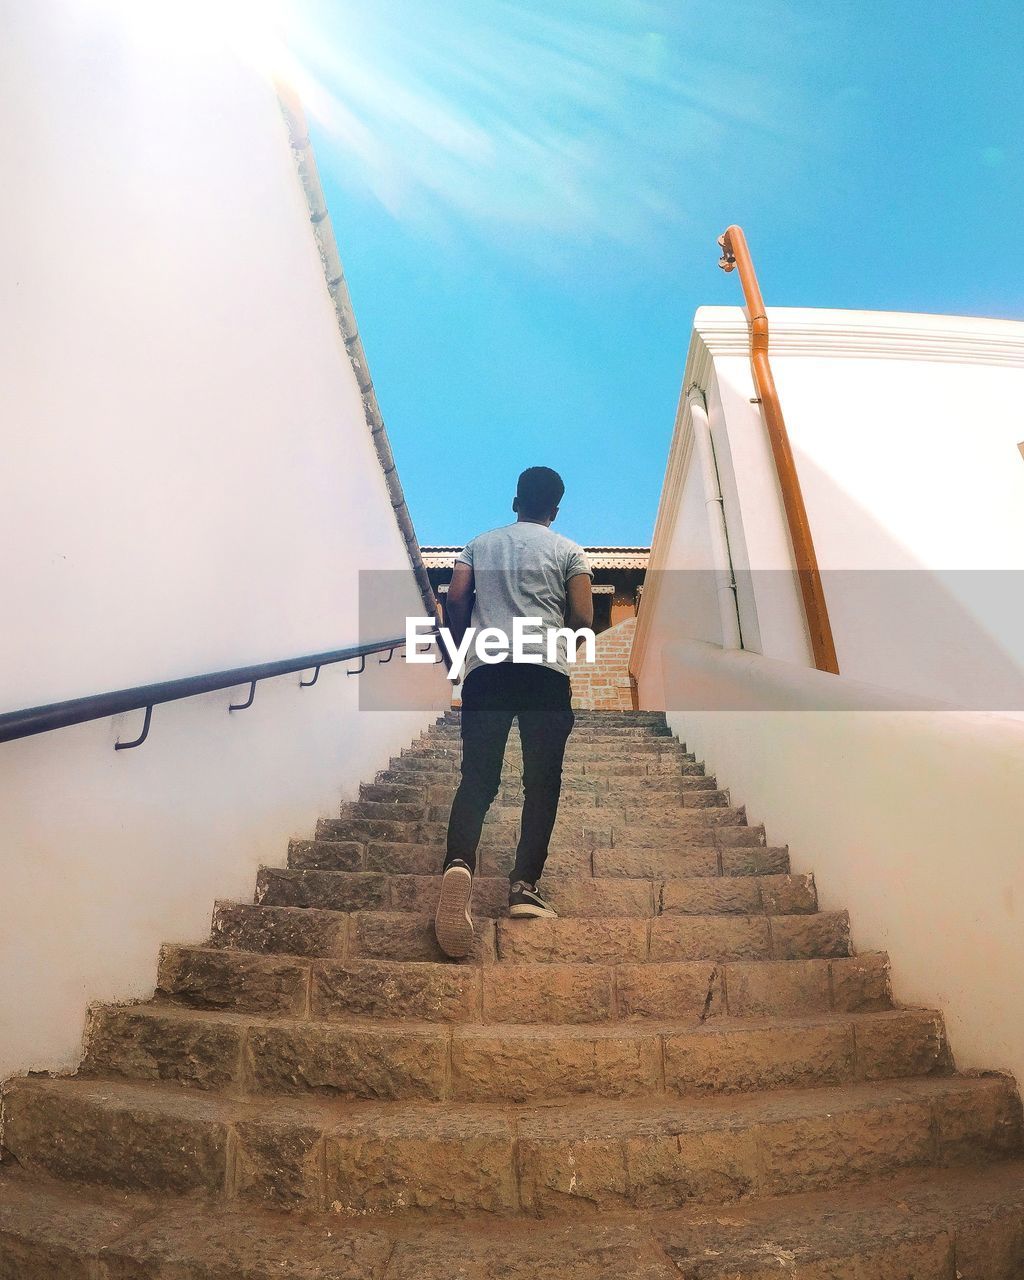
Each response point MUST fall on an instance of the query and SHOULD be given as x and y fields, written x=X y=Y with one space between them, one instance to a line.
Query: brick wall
x=605 y=685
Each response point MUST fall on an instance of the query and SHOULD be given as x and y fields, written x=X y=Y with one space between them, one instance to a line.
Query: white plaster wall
x=188 y=485
x=905 y=430
x=911 y=819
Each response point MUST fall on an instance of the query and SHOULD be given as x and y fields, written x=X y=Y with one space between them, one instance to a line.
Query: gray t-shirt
x=521 y=571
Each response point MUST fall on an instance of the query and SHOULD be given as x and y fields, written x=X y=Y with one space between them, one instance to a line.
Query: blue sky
x=526 y=198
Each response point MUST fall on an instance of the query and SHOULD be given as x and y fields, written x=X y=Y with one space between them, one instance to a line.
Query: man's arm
x=580 y=603
x=459 y=602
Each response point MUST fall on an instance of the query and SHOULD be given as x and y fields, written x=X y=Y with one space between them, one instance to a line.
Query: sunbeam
x=587 y=121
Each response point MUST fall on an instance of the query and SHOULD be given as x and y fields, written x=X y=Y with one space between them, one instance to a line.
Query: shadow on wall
x=954 y=635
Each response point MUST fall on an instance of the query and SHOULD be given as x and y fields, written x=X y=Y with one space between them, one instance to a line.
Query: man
x=521 y=570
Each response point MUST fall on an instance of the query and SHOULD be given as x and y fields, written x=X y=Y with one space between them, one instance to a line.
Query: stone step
x=497 y=857
x=613 y=802
x=317 y=879
x=577 y=763
x=578 y=758
x=584 y=1157
x=321 y=988
x=638 y=783
x=714 y=855
x=952 y=1224
x=616 y=940
x=651 y=789
x=621 y=771
x=411 y=812
x=627 y=772
x=929 y=1224
x=577 y=754
x=243 y=1055
x=581 y=790
x=582 y=732
x=572 y=835
x=686 y=862
x=573 y=828
x=586 y=717
x=636 y=825
x=622 y=775
x=633 y=751
x=582 y=726
x=594 y=829
x=602 y=803
x=583 y=723
x=616 y=813
x=572 y=896
x=705 y=882
x=405 y=935
x=584 y=736
x=683 y=763
x=366 y=830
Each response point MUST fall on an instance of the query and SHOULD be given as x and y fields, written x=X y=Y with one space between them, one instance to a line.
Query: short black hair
x=539 y=491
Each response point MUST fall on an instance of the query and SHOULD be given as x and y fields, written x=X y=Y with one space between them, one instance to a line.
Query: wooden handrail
x=736 y=254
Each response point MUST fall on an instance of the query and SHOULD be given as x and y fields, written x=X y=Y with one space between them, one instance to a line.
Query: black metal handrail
x=98 y=706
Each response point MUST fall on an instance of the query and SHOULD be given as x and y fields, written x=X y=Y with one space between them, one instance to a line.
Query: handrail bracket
x=127 y=746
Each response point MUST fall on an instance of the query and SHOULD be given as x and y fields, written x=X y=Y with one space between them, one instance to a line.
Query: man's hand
x=459 y=600
x=580 y=603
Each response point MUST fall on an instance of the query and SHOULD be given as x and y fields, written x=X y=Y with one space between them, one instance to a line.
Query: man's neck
x=531 y=520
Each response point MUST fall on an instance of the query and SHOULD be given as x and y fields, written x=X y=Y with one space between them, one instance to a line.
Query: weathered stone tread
x=945 y=1224
x=605 y=938
x=547 y=992
x=581 y=1157
x=380 y=1058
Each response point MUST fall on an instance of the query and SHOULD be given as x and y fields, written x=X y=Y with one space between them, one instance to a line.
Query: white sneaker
x=453 y=923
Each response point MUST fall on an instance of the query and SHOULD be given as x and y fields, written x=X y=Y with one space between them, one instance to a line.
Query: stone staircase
x=689 y=1074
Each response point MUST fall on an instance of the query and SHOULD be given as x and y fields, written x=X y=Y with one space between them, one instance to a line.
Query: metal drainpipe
x=337 y=286
x=721 y=557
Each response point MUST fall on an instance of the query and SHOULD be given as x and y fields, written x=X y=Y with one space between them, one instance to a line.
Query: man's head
x=538 y=494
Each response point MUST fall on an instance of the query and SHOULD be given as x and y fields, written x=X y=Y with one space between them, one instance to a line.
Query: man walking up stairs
x=522 y=571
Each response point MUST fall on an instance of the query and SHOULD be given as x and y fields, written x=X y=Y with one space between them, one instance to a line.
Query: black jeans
x=492 y=697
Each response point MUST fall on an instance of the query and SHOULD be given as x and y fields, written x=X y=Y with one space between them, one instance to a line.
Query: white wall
x=911 y=819
x=904 y=430
x=188 y=485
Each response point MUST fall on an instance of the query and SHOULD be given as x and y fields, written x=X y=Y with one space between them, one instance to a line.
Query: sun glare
x=254 y=30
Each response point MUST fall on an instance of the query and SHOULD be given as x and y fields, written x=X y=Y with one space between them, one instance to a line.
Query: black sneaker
x=453 y=923
x=525 y=901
